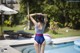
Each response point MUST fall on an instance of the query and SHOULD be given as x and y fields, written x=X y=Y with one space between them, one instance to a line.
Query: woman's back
x=38 y=30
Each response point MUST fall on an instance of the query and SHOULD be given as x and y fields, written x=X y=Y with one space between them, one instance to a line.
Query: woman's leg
x=43 y=47
x=36 y=45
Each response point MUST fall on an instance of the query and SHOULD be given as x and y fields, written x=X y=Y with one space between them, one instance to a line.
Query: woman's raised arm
x=32 y=19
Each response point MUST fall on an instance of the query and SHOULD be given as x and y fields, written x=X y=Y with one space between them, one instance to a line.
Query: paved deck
x=7 y=43
x=63 y=40
x=8 y=49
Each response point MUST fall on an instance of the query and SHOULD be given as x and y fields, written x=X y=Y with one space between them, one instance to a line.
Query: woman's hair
x=40 y=18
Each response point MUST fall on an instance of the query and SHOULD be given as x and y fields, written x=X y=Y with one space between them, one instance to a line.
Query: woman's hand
x=38 y=13
x=45 y=15
x=32 y=14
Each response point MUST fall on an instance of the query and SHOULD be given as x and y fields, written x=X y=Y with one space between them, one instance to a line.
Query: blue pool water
x=55 y=48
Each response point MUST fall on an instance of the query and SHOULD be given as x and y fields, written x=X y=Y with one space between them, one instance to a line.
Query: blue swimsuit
x=39 y=38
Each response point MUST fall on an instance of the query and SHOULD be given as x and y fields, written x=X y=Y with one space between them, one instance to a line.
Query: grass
x=61 y=32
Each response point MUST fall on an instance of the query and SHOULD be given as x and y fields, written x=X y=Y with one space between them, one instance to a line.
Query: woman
x=39 y=43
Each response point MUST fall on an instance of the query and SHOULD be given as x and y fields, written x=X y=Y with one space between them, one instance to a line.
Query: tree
x=62 y=11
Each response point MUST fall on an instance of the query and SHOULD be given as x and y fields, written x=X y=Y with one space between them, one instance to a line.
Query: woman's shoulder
x=36 y=25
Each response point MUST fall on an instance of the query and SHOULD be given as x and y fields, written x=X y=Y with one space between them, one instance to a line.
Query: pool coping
x=64 y=40
x=31 y=41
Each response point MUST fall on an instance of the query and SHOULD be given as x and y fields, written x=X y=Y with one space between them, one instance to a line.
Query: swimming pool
x=54 y=48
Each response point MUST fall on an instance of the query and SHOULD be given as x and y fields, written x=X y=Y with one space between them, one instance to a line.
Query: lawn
x=61 y=31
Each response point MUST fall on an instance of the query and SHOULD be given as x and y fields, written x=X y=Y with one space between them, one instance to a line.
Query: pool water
x=55 y=48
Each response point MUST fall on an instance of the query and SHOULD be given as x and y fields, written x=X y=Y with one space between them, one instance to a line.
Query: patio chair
x=10 y=34
x=25 y=34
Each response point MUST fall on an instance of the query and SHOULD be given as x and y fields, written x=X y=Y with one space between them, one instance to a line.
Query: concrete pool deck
x=8 y=43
